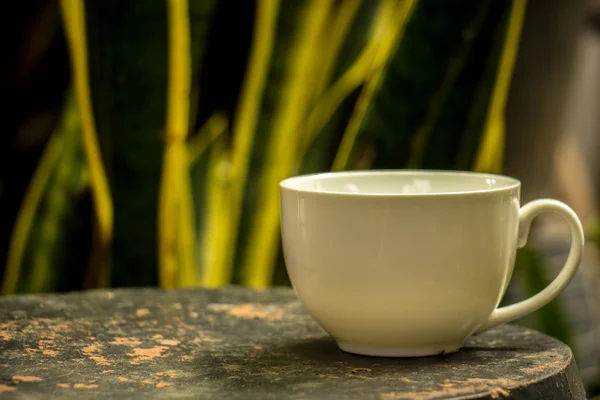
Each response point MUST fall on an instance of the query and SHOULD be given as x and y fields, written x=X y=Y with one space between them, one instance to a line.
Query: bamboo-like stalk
x=185 y=227
x=391 y=34
x=173 y=214
x=218 y=265
x=217 y=224
x=490 y=154
x=73 y=14
x=281 y=154
x=26 y=215
x=210 y=134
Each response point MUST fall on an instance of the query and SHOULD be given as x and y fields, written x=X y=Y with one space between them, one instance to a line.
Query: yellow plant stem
x=27 y=212
x=210 y=131
x=390 y=34
x=490 y=154
x=185 y=227
x=219 y=255
x=175 y=219
x=281 y=153
x=334 y=96
x=73 y=13
x=333 y=40
x=218 y=212
x=329 y=101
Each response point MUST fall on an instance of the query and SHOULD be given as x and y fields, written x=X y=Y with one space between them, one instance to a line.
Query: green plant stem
x=281 y=154
x=25 y=218
x=219 y=255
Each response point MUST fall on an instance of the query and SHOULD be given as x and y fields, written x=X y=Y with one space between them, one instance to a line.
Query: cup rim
x=292 y=183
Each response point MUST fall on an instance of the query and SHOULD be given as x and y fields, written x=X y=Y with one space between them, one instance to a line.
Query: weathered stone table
x=240 y=344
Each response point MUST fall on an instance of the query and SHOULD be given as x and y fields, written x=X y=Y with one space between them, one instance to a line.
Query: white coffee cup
x=411 y=263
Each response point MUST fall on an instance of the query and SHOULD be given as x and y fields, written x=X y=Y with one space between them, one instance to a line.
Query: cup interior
x=403 y=182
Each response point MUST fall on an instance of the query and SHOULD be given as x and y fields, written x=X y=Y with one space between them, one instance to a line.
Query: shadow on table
x=325 y=349
x=318 y=362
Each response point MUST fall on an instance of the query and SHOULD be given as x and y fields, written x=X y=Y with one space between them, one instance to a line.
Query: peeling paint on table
x=238 y=343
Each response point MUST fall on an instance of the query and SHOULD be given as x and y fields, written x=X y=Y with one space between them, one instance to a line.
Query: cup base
x=394 y=351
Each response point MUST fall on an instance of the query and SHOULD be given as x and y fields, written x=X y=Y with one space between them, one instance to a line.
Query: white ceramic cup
x=411 y=263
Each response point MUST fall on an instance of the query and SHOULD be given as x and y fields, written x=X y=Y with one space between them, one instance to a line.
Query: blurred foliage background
x=143 y=141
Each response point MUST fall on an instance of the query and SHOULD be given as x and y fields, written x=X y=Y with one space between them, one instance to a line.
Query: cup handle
x=527 y=213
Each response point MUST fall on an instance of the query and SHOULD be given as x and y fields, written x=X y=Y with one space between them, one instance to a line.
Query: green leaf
x=57 y=248
x=49 y=243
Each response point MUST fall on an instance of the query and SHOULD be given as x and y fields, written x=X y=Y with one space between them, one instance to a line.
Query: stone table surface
x=236 y=343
